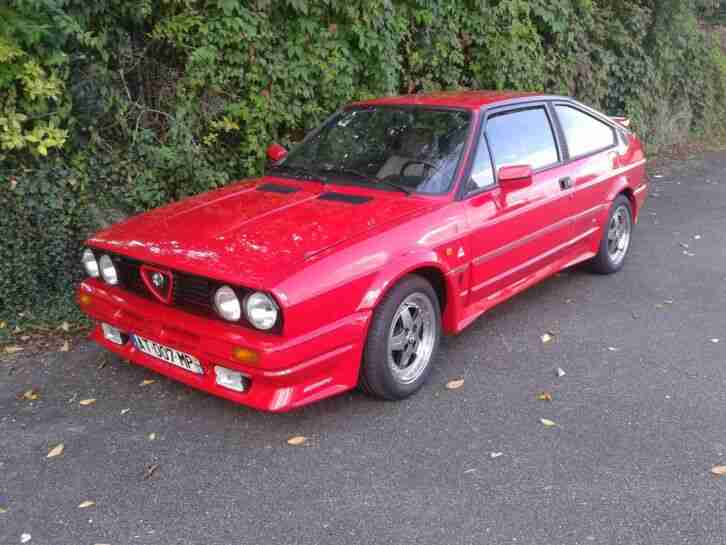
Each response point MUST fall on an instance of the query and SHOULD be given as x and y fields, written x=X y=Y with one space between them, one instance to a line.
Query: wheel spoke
x=407 y=319
x=406 y=356
x=398 y=341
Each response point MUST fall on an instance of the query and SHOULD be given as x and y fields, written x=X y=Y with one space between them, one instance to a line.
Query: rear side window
x=523 y=137
x=584 y=134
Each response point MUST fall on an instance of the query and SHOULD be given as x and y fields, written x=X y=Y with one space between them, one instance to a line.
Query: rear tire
x=616 y=238
x=402 y=341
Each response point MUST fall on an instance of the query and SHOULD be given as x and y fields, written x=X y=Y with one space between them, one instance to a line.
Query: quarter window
x=584 y=134
x=523 y=137
x=482 y=174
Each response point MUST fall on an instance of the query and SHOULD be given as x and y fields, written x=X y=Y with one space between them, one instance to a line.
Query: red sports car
x=397 y=220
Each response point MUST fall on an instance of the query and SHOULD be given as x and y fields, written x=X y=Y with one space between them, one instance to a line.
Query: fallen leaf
x=544 y=396
x=147 y=381
x=547 y=337
x=718 y=470
x=455 y=384
x=24 y=538
x=150 y=471
x=547 y=423
x=12 y=349
x=87 y=503
x=66 y=347
x=495 y=454
x=3 y=510
x=297 y=440
x=55 y=451
x=2 y=325
x=715 y=341
x=31 y=395
x=612 y=349
x=560 y=372
x=124 y=411
x=151 y=436
x=86 y=402
x=65 y=327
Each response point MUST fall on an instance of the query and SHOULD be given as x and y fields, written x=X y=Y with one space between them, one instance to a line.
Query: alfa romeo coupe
x=396 y=221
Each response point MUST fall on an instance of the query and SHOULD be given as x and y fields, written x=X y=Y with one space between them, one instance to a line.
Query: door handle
x=566 y=183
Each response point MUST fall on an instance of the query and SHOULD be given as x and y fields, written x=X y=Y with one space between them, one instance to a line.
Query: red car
x=397 y=220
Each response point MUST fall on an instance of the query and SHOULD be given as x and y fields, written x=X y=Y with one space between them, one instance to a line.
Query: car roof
x=472 y=100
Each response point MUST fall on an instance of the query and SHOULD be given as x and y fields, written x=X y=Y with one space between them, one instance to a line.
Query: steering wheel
x=430 y=167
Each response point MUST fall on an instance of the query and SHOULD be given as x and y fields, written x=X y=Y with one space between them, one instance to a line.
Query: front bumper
x=288 y=373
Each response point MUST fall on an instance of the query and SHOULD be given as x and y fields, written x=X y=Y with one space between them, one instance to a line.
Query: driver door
x=517 y=229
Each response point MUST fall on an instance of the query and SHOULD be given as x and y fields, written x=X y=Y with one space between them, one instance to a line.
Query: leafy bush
x=113 y=107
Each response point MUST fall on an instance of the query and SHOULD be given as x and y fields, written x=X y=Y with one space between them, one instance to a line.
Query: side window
x=523 y=137
x=482 y=174
x=584 y=133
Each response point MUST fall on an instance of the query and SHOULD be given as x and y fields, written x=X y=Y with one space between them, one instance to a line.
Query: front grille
x=190 y=292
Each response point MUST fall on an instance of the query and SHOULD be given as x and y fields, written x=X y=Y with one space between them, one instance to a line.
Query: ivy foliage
x=112 y=107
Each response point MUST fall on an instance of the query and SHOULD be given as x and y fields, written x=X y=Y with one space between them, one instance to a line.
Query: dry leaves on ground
x=66 y=347
x=86 y=402
x=150 y=471
x=55 y=451
x=297 y=440
x=147 y=381
x=152 y=436
x=547 y=423
x=12 y=349
x=31 y=395
x=560 y=372
x=455 y=384
x=546 y=338
x=87 y=503
x=544 y=396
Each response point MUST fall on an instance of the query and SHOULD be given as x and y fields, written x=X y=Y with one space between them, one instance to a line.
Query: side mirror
x=515 y=176
x=275 y=153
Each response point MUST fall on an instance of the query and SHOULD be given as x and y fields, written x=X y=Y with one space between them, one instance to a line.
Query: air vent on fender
x=277 y=188
x=343 y=197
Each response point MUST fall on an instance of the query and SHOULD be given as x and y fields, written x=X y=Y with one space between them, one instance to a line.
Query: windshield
x=407 y=148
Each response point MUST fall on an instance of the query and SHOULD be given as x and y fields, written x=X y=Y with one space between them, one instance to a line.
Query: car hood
x=254 y=232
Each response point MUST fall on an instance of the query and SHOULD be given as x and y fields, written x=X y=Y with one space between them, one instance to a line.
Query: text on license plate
x=169 y=355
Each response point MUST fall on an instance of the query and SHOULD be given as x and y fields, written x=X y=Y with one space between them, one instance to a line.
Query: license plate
x=169 y=355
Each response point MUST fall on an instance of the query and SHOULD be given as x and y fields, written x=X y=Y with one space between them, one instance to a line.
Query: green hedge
x=112 y=107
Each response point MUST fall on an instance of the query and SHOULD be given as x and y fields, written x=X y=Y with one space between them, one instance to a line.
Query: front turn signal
x=245 y=355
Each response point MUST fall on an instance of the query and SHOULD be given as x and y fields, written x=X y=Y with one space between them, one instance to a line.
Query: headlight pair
x=102 y=267
x=259 y=308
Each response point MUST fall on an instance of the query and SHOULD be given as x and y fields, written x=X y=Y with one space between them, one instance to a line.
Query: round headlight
x=227 y=304
x=90 y=263
x=108 y=270
x=261 y=310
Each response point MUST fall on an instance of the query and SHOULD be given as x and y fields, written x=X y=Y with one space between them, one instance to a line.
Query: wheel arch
x=432 y=269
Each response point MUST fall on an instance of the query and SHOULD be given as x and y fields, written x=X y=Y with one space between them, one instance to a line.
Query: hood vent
x=344 y=197
x=277 y=188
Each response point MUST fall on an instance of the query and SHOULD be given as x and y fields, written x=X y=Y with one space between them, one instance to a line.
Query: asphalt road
x=640 y=414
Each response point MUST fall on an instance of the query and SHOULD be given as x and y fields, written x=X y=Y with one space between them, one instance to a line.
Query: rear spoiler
x=622 y=121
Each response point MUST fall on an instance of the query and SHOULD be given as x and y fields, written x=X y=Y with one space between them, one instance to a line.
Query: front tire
x=402 y=341
x=616 y=238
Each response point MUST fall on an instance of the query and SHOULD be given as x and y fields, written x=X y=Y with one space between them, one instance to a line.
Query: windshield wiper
x=300 y=172
x=369 y=178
